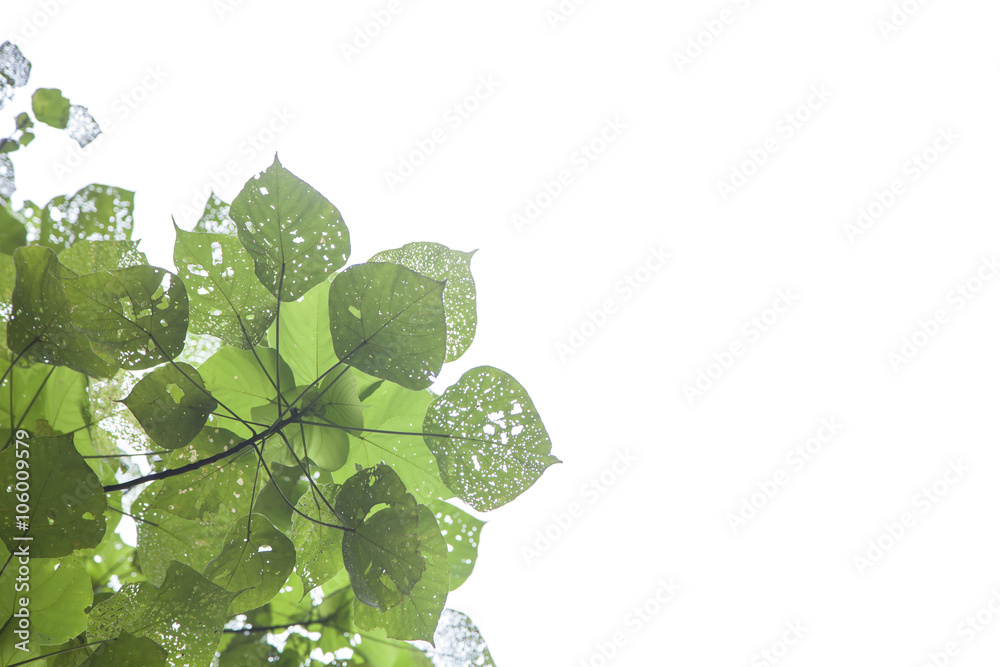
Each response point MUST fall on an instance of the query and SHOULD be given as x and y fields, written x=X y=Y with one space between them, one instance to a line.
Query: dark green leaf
x=135 y=318
x=254 y=567
x=128 y=651
x=489 y=441
x=453 y=268
x=416 y=616
x=388 y=321
x=13 y=232
x=295 y=236
x=171 y=404
x=227 y=301
x=50 y=107
x=40 y=328
x=382 y=551
x=67 y=501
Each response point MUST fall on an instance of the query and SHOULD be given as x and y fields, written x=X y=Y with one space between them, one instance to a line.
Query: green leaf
x=227 y=301
x=319 y=548
x=94 y=213
x=454 y=269
x=251 y=650
x=382 y=551
x=489 y=441
x=416 y=616
x=185 y=616
x=164 y=537
x=13 y=232
x=304 y=326
x=388 y=321
x=59 y=594
x=215 y=218
x=461 y=533
x=236 y=380
x=91 y=256
x=254 y=567
x=296 y=237
x=40 y=328
x=50 y=107
x=390 y=407
x=224 y=486
x=128 y=651
x=171 y=404
x=66 y=498
x=332 y=410
x=57 y=395
x=135 y=318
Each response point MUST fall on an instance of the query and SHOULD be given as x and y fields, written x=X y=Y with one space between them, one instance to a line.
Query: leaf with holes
x=388 y=321
x=171 y=404
x=461 y=533
x=454 y=269
x=66 y=502
x=185 y=616
x=253 y=566
x=382 y=550
x=319 y=547
x=91 y=256
x=294 y=235
x=222 y=486
x=227 y=301
x=215 y=218
x=135 y=318
x=128 y=651
x=94 y=213
x=40 y=327
x=416 y=616
x=488 y=439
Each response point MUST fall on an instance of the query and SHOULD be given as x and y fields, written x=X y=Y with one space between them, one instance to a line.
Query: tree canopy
x=262 y=410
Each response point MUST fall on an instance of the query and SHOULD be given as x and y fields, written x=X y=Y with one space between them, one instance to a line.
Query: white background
x=686 y=127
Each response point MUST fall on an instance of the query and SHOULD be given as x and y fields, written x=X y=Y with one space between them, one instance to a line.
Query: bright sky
x=777 y=416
